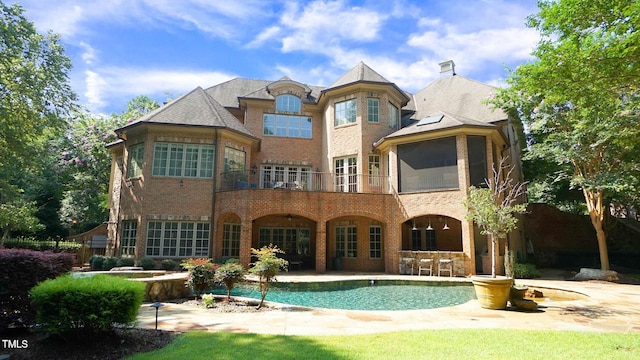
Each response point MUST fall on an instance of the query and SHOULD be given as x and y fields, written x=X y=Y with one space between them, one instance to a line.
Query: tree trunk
x=493 y=255
x=594 y=200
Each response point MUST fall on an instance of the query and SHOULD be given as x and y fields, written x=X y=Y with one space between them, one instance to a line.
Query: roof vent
x=447 y=68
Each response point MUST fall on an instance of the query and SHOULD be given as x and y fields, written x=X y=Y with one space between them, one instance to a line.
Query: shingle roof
x=227 y=93
x=361 y=72
x=457 y=95
x=197 y=108
x=448 y=121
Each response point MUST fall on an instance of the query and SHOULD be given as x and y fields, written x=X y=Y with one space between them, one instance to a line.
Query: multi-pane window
x=231 y=240
x=346 y=241
x=288 y=103
x=430 y=239
x=345 y=112
x=291 y=240
x=128 y=241
x=136 y=156
x=346 y=174
x=375 y=241
x=183 y=160
x=177 y=239
x=287 y=125
x=285 y=177
x=373 y=110
x=394 y=116
x=234 y=160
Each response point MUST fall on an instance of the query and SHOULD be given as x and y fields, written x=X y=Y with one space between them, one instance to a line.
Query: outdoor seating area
x=431 y=263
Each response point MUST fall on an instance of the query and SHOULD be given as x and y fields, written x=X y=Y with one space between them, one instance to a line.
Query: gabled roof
x=197 y=108
x=457 y=95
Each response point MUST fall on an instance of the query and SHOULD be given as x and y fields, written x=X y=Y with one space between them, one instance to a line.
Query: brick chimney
x=447 y=68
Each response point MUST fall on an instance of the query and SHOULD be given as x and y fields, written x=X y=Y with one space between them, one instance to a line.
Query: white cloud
x=89 y=54
x=110 y=83
x=267 y=34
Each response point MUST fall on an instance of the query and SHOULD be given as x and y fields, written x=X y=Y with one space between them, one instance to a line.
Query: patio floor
x=609 y=308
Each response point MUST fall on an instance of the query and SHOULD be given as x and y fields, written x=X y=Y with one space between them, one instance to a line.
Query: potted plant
x=493 y=210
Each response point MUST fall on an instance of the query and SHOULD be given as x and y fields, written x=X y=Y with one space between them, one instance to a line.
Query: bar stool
x=425 y=265
x=445 y=264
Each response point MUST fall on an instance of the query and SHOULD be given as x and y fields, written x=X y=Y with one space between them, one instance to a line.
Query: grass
x=438 y=344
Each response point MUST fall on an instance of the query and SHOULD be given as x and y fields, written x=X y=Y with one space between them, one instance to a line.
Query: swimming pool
x=362 y=294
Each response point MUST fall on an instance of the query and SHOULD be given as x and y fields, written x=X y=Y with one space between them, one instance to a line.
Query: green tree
x=17 y=215
x=579 y=100
x=267 y=267
x=494 y=208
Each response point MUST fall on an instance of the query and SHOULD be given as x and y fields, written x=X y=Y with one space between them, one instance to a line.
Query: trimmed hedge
x=147 y=263
x=20 y=270
x=87 y=303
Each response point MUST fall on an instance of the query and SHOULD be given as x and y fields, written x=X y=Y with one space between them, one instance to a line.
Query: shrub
x=109 y=263
x=229 y=274
x=525 y=271
x=169 y=264
x=201 y=274
x=267 y=267
x=208 y=300
x=86 y=305
x=147 y=263
x=95 y=262
x=125 y=262
x=20 y=270
x=43 y=245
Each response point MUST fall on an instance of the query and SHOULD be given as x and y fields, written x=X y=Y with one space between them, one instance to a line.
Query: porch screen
x=428 y=165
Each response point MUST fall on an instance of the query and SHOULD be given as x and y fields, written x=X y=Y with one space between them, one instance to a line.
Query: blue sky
x=165 y=48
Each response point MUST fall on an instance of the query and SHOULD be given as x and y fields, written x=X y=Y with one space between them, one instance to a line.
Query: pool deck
x=609 y=307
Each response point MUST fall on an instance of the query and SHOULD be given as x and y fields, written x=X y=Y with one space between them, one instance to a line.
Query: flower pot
x=492 y=293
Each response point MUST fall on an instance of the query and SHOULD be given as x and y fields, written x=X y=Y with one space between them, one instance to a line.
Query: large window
x=183 y=160
x=477 y=149
x=288 y=103
x=291 y=240
x=394 y=116
x=128 y=241
x=346 y=174
x=231 y=240
x=234 y=160
x=375 y=241
x=373 y=110
x=136 y=156
x=287 y=125
x=345 y=112
x=285 y=177
x=177 y=239
x=428 y=165
x=347 y=241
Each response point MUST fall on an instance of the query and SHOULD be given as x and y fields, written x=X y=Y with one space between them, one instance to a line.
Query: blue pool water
x=361 y=294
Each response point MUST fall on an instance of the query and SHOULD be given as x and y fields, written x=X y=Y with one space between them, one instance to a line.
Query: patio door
x=346 y=178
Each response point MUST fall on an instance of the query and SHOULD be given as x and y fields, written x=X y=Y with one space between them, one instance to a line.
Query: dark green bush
x=20 y=270
x=147 y=263
x=95 y=262
x=125 y=262
x=109 y=263
x=169 y=264
x=525 y=271
x=42 y=245
x=86 y=305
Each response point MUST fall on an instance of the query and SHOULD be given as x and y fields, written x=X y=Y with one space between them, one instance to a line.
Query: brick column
x=321 y=247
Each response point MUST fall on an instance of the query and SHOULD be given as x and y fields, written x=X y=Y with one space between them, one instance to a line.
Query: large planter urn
x=492 y=293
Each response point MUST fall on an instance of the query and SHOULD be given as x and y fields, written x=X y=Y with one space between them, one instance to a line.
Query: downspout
x=213 y=194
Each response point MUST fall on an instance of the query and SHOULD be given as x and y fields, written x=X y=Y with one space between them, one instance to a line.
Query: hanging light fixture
x=446 y=227
x=429 y=227
x=414 y=228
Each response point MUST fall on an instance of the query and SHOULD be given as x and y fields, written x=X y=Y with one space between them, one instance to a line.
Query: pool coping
x=608 y=307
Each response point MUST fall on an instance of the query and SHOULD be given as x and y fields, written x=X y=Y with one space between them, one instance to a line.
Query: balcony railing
x=304 y=181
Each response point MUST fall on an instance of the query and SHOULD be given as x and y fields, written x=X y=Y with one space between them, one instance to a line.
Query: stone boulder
x=596 y=274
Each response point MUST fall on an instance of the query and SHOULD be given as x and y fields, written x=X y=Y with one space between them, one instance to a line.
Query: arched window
x=288 y=103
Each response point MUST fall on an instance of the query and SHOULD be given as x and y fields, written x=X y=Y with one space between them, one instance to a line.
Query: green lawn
x=424 y=344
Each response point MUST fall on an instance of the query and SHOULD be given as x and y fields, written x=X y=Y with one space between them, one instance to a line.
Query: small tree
x=493 y=208
x=229 y=274
x=201 y=274
x=267 y=267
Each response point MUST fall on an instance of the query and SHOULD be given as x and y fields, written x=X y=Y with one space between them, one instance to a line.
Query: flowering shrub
x=201 y=274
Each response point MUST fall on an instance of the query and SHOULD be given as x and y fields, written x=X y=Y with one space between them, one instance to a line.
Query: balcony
x=304 y=181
